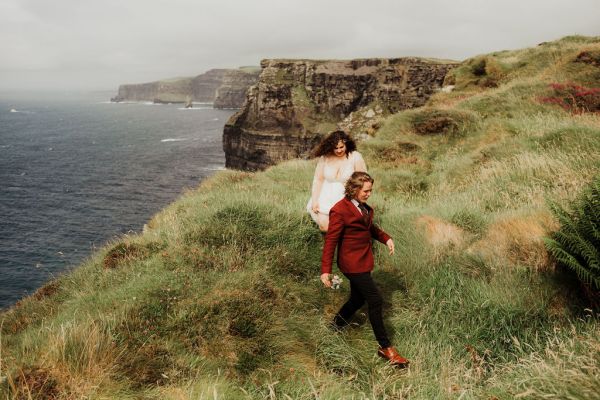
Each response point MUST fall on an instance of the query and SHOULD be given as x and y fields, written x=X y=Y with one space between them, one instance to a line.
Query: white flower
x=336 y=282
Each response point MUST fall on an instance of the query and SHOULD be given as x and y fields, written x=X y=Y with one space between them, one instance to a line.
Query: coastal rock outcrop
x=166 y=91
x=295 y=102
x=226 y=88
x=204 y=87
x=231 y=93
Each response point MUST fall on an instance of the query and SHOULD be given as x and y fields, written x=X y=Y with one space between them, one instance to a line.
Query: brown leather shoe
x=391 y=354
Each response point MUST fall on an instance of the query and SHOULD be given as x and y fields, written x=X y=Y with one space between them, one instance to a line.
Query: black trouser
x=362 y=288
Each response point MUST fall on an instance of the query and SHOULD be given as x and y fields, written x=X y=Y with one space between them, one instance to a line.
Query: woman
x=338 y=159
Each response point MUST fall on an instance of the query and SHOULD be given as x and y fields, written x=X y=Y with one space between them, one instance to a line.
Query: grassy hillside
x=219 y=298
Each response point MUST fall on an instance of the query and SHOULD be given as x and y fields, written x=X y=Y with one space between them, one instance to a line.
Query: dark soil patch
x=147 y=365
x=35 y=383
x=124 y=252
x=589 y=57
x=442 y=122
x=48 y=290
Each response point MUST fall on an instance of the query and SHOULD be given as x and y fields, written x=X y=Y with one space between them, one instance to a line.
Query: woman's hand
x=315 y=207
x=325 y=279
x=390 y=246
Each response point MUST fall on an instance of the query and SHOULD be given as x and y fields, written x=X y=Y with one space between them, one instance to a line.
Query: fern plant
x=577 y=243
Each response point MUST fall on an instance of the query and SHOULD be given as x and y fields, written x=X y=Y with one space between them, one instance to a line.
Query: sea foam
x=172 y=140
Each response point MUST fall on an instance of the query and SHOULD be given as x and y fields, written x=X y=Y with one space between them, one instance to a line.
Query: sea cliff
x=225 y=88
x=220 y=296
x=296 y=101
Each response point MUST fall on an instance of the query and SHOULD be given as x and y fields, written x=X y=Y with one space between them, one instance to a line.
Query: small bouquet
x=336 y=281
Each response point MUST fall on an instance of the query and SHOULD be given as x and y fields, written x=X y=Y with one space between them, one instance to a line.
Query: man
x=351 y=230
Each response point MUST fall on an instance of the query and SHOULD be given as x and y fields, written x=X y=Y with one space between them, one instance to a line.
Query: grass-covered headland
x=220 y=298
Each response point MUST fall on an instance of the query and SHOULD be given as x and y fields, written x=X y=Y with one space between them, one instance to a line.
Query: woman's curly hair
x=328 y=144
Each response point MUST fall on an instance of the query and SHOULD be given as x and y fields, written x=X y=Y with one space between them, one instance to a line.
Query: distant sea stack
x=295 y=102
x=226 y=88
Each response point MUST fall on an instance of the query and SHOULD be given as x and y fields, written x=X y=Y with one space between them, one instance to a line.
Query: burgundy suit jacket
x=352 y=234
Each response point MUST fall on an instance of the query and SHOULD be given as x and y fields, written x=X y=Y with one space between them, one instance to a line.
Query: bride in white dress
x=338 y=159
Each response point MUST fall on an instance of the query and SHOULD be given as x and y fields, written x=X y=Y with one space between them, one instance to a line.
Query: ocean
x=77 y=171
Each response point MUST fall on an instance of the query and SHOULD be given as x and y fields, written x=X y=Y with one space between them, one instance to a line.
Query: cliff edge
x=295 y=102
x=219 y=297
x=226 y=88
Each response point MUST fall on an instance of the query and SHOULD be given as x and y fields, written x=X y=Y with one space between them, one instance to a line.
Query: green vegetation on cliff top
x=249 y=69
x=219 y=298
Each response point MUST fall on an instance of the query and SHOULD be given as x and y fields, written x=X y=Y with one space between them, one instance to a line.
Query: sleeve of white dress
x=318 y=180
x=359 y=162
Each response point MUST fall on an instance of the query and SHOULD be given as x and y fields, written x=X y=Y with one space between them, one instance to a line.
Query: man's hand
x=390 y=246
x=325 y=279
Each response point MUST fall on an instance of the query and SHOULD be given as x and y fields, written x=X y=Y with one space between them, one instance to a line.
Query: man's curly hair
x=328 y=144
x=355 y=183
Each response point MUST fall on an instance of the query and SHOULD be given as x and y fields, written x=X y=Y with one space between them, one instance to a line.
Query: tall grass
x=219 y=297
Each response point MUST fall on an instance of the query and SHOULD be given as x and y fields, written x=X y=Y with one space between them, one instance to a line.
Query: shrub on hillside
x=123 y=252
x=447 y=122
x=34 y=383
x=478 y=67
x=400 y=152
x=589 y=57
x=577 y=244
x=485 y=72
x=574 y=98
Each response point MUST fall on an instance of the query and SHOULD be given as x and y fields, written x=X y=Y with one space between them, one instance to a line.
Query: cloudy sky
x=93 y=44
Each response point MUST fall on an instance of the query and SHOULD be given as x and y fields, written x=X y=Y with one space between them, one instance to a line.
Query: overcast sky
x=98 y=44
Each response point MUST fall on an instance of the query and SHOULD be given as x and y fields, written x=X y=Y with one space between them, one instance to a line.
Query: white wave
x=215 y=119
x=13 y=110
x=143 y=102
x=173 y=140
x=194 y=108
x=212 y=168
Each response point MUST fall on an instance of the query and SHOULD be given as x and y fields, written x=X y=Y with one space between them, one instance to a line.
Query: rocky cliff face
x=206 y=87
x=174 y=91
x=234 y=85
x=295 y=102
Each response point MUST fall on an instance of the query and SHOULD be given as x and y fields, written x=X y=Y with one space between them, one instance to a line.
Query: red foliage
x=574 y=98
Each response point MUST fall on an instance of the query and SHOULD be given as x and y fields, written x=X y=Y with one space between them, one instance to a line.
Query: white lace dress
x=330 y=179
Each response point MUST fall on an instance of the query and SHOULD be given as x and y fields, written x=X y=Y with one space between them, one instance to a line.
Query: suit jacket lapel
x=356 y=211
